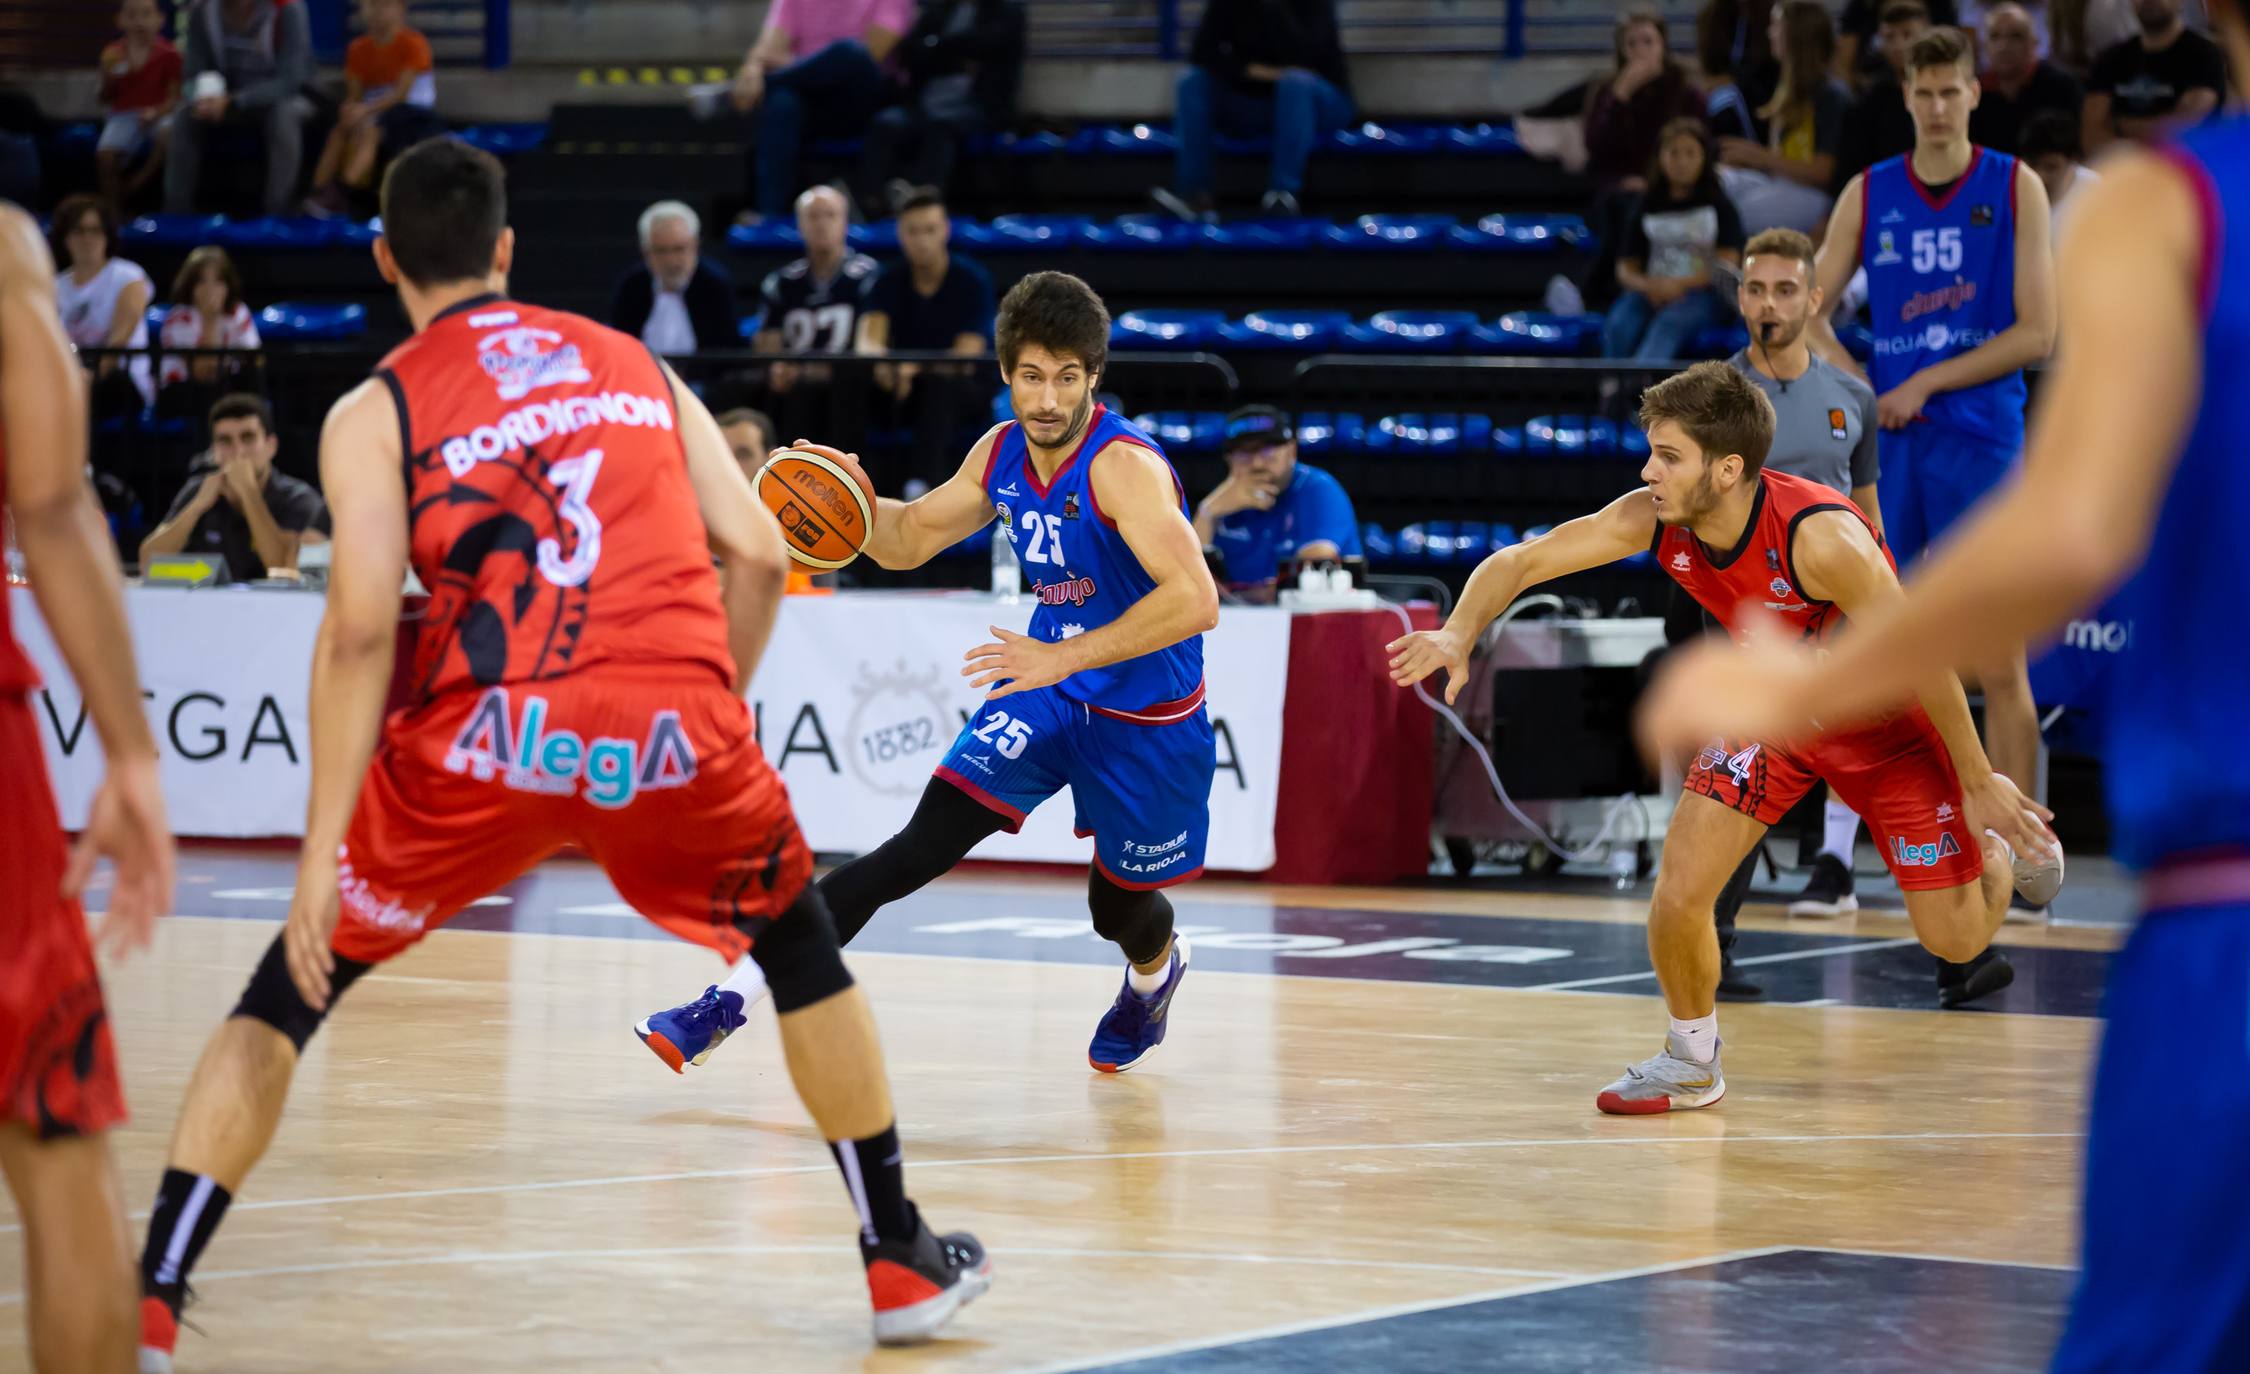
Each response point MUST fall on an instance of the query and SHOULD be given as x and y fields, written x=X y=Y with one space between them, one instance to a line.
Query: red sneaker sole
x=666 y=1051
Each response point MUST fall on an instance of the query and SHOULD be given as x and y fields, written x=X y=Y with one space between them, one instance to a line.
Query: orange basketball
x=825 y=504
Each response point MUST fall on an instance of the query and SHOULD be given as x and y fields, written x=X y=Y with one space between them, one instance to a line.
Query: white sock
x=747 y=981
x=1699 y=1037
x=1839 y=830
x=1146 y=984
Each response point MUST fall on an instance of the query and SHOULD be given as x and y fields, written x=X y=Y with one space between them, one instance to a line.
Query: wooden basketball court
x=1369 y=1142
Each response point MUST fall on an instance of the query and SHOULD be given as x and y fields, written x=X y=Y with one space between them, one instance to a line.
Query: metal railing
x=1165 y=29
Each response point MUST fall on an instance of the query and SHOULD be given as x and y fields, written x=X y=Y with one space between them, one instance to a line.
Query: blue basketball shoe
x=688 y=1033
x=1135 y=1024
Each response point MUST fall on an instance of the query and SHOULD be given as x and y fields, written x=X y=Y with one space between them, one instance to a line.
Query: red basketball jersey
x=1758 y=573
x=16 y=672
x=553 y=521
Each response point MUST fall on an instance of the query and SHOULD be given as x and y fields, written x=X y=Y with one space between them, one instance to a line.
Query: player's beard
x=1699 y=502
x=1077 y=425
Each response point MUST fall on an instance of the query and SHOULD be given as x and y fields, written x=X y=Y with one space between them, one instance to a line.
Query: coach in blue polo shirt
x=1272 y=509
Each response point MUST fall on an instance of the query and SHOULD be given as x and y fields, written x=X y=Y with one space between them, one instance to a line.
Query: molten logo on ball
x=816 y=484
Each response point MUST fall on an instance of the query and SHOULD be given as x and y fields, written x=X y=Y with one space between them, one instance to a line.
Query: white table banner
x=856 y=701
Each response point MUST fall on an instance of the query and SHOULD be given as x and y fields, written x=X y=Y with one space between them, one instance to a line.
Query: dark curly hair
x=1057 y=312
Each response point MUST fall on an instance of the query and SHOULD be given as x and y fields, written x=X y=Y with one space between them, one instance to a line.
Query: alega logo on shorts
x=1923 y=855
x=525 y=755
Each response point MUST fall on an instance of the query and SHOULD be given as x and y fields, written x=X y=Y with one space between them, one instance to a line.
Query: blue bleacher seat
x=1471 y=543
x=1536 y=334
x=1321 y=432
x=1303 y=331
x=313 y=322
x=1105 y=140
x=766 y=236
x=1045 y=233
x=1234 y=145
x=1569 y=435
x=1381 y=547
x=505 y=140
x=1632 y=441
x=174 y=231
x=1413 y=545
x=1144 y=234
x=1520 y=234
x=1488 y=140
x=1508 y=439
x=976 y=236
x=272 y=234
x=1719 y=340
x=1371 y=139
x=78 y=137
x=1265 y=235
x=352 y=233
x=1416 y=433
x=881 y=237
x=1389 y=234
x=1440 y=542
x=1177 y=331
x=1185 y=432
x=1412 y=331
x=1015 y=145
x=1501 y=537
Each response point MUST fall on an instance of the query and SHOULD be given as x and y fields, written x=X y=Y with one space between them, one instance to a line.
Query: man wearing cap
x=1272 y=509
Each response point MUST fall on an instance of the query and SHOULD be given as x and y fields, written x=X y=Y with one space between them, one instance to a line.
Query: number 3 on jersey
x=1045 y=545
x=576 y=478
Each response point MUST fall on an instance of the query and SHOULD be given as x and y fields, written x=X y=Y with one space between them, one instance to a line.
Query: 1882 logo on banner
x=900 y=727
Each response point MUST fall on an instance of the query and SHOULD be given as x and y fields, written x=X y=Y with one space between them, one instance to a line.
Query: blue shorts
x=2166 y=1286
x=1143 y=791
x=1932 y=475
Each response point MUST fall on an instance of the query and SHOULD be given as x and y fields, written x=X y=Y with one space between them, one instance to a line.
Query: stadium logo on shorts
x=1923 y=855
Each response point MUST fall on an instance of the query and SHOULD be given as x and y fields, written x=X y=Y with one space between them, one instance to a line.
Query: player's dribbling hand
x=312 y=925
x=2001 y=807
x=1417 y=655
x=1018 y=662
x=1717 y=690
x=127 y=826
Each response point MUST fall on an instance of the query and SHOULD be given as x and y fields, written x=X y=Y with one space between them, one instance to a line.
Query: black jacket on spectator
x=1998 y=121
x=710 y=305
x=296 y=506
x=963 y=304
x=1876 y=127
x=990 y=52
x=1277 y=33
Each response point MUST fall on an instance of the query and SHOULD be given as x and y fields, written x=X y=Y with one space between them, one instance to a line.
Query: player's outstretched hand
x=1415 y=656
x=1017 y=662
x=2001 y=807
x=312 y=926
x=1716 y=690
x=127 y=826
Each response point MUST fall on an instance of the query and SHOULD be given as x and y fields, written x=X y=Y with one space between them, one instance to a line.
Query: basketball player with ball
x=577 y=681
x=1103 y=694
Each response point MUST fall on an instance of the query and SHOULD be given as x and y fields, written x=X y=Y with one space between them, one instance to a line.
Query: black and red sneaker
x=917 y=1285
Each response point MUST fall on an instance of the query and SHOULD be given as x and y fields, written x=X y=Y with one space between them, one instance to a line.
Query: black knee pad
x=272 y=995
x=799 y=955
x=1140 y=923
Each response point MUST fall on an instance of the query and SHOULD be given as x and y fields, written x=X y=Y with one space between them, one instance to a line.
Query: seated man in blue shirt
x=1272 y=509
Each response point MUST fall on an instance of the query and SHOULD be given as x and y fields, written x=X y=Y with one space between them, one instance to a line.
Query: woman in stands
x=1782 y=183
x=104 y=302
x=1682 y=227
x=207 y=313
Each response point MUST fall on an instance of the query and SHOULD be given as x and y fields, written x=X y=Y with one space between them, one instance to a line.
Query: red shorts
x=1895 y=774
x=654 y=773
x=58 y=1069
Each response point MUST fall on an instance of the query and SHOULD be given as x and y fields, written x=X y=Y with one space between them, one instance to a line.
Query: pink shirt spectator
x=183 y=328
x=814 y=24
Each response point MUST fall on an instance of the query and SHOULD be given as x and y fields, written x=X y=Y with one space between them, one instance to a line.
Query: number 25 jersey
x=551 y=515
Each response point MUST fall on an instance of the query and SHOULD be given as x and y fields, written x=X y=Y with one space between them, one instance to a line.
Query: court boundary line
x=1783 y=957
x=1932 y=1258
x=1386 y=1313
x=1127 y=1156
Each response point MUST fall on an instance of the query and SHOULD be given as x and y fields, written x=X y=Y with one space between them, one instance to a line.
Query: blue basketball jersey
x=1080 y=570
x=1941 y=280
x=2179 y=711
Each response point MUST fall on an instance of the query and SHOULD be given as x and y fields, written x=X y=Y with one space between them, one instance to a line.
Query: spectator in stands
x=1258 y=67
x=1685 y=224
x=1272 y=509
x=1728 y=111
x=1783 y=182
x=140 y=92
x=2085 y=29
x=813 y=306
x=932 y=301
x=247 y=60
x=750 y=434
x=2156 y=84
x=675 y=302
x=390 y=99
x=820 y=69
x=2016 y=84
x=1975 y=14
x=104 y=302
x=235 y=504
x=207 y=312
x=1877 y=125
x=964 y=63
x=1732 y=41
x=2050 y=146
x=1864 y=52
x=1627 y=114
